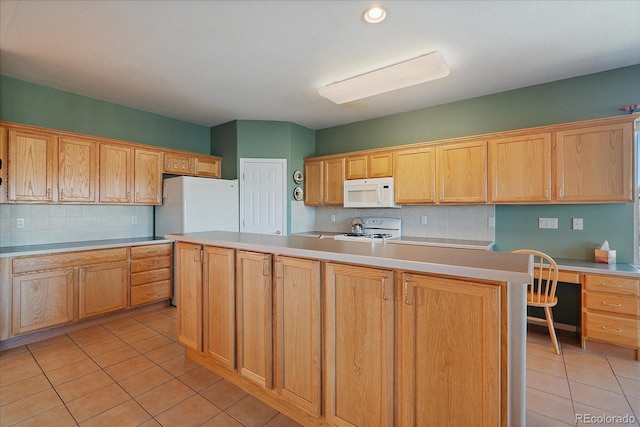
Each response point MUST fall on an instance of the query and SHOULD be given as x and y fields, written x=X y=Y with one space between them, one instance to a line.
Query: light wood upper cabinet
x=189 y=294
x=179 y=163
x=42 y=300
x=359 y=331
x=148 y=177
x=375 y=165
x=462 y=172
x=254 y=306
x=324 y=181
x=449 y=375
x=116 y=173
x=219 y=299
x=31 y=172
x=415 y=176
x=297 y=331
x=208 y=166
x=520 y=169
x=77 y=170
x=595 y=164
x=103 y=288
x=4 y=142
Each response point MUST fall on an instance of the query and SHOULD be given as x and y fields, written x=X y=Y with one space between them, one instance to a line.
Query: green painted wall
x=37 y=105
x=581 y=98
x=263 y=139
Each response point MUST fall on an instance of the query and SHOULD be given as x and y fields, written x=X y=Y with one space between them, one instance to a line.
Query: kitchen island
x=351 y=333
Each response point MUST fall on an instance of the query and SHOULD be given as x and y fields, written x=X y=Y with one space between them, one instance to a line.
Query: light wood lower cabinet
x=450 y=365
x=254 y=305
x=189 y=294
x=297 y=331
x=359 y=337
x=103 y=288
x=151 y=273
x=42 y=300
x=219 y=297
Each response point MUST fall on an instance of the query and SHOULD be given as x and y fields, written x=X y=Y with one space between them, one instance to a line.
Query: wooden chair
x=542 y=293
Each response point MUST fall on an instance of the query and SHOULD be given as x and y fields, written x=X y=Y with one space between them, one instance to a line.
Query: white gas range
x=376 y=229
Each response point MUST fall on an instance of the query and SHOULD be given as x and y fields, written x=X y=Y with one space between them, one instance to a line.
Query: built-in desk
x=608 y=302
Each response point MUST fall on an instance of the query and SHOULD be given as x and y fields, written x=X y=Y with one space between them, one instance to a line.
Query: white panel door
x=262 y=196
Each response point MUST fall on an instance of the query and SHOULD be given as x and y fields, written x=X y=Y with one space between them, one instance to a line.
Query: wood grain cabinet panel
x=151 y=273
x=520 y=169
x=415 y=176
x=77 y=170
x=189 y=294
x=324 y=181
x=334 y=181
x=219 y=305
x=208 y=167
x=298 y=332
x=31 y=171
x=103 y=288
x=179 y=163
x=148 y=177
x=254 y=306
x=42 y=300
x=116 y=173
x=595 y=164
x=313 y=183
x=373 y=165
x=462 y=172
x=359 y=331
x=449 y=376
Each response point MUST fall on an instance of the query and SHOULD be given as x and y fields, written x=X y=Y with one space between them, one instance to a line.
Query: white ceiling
x=209 y=62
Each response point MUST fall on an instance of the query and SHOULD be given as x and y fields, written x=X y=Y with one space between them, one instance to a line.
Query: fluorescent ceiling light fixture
x=404 y=74
x=375 y=14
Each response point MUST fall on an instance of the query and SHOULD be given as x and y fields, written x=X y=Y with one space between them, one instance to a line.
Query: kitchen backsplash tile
x=453 y=222
x=67 y=223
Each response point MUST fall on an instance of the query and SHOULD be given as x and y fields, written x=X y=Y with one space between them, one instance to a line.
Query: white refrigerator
x=191 y=204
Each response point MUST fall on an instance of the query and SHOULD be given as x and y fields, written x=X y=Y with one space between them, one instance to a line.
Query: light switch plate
x=577 y=224
x=551 y=223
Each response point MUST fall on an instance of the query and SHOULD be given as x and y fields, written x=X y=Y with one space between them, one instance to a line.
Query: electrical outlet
x=492 y=221
x=134 y=219
x=548 y=223
x=19 y=222
x=423 y=220
x=577 y=224
x=333 y=218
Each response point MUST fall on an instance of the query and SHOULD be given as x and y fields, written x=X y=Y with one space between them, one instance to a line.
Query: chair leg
x=554 y=340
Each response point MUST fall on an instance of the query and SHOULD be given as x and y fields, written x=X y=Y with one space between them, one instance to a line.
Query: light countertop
x=487 y=265
x=13 y=251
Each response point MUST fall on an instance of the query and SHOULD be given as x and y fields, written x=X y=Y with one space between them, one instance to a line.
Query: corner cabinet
x=520 y=169
x=324 y=181
x=359 y=331
x=450 y=355
x=595 y=164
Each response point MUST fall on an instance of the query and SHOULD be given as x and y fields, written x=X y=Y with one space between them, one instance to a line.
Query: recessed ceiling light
x=404 y=74
x=375 y=14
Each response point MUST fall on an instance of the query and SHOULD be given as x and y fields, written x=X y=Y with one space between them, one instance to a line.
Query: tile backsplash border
x=59 y=223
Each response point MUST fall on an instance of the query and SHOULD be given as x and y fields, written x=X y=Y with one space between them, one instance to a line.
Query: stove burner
x=356 y=235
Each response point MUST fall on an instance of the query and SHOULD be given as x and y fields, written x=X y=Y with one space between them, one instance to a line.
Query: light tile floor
x=132 y=372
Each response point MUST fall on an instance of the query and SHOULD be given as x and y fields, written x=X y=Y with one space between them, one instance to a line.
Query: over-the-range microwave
x=369 y=193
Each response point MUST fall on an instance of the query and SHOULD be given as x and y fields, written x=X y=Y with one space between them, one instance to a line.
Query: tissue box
x=606 y=256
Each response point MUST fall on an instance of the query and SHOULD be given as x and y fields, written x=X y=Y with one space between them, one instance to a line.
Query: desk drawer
x=612 y=303
x=615 y=330
x=612 y=284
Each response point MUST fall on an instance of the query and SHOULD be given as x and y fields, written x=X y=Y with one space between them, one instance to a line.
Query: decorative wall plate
x=298 y=194
x=297 y=177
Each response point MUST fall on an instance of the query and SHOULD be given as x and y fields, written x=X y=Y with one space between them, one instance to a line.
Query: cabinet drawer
x=612 y=303
x=67 y=259
x=150 y=276
x=151 y=250
x=150 y=264
x=151 y=292
x=615 y=330
x=612 y=284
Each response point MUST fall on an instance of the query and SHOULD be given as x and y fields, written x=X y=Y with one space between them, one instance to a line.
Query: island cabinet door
x=358 y=346
x=449 y=347
x=297 y=331
x=189 y=294
x=254 y=305
x=219 y=305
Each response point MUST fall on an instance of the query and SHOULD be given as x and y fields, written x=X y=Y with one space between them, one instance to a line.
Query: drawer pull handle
x=611 y=285
x=384 y=288
x=406 y=291
x=612 y=330
x=610 y=305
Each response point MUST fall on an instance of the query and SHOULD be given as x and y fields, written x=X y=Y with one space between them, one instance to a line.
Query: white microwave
x=369 y=193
